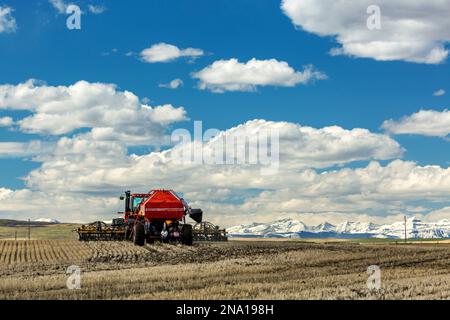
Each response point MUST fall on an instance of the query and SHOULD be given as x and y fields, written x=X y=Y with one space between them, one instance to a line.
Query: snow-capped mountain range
x=289 y=228
x=47 y=220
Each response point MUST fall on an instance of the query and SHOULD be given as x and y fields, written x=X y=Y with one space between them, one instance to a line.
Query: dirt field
x=233 y=270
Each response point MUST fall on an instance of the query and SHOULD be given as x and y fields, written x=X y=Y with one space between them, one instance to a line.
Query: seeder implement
x=159 y=215
x=100 y=231
x=206 y=231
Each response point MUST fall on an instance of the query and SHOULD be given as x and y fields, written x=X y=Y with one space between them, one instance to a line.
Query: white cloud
x=84 y=164
x=23 y=149
x=7 y=21
x=414 y=31
x=59 y=5
x=6 y=122
x=439 y=93
x=86 y=169
x=94 y=165
x=164 y=52
x=89 y=168
x=111 y=114
x=24 y=204
x=174 y=84
x=96 y=9
x=232 y=75
x=440 y=214
x=307 y=147
x=424 y=122
x=374 y=193
x=114 y=120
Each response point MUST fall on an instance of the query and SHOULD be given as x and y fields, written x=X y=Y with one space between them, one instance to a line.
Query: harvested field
x=233 y=270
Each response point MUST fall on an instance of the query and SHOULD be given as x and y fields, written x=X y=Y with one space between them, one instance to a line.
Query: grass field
x=233 y=270
x=39 y=232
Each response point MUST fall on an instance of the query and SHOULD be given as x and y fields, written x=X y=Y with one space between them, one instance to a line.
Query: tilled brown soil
x=233 y=270
x=34 y=255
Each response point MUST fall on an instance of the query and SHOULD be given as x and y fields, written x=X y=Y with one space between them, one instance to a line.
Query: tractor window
x=136 y=202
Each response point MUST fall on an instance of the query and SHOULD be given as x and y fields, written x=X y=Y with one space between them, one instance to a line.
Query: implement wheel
x=187 y=236
x=139 y=234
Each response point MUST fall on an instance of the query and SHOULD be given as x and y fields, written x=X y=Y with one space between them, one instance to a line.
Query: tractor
x=159 y=215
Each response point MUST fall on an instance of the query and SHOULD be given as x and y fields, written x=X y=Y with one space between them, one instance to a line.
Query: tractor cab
x=135 y=202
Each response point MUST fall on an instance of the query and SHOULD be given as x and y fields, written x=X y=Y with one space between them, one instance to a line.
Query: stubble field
x=234 y=270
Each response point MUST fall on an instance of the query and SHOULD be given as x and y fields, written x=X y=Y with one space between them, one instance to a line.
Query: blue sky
x=359 y=92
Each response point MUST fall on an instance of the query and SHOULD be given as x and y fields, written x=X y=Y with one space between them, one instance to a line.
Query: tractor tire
x=187 y=236
x=139 y=234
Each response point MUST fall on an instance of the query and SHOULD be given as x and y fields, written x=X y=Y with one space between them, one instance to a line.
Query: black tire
x=187 y=236
x=139 y=234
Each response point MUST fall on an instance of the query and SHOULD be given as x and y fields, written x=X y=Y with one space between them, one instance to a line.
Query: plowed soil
x=233 y=270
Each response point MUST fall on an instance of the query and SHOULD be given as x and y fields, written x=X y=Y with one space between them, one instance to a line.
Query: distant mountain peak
x=47 y=220
x=324 y=227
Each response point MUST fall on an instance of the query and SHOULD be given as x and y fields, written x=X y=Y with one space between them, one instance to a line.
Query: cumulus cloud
x=84 y=166
x=94 y=165
x=303 y=146
x=413 y=31
x=24 y=204
x=424 y=122
x=23 y=149
x=164 y=52
x=83 y=169
x=174 y=84
x=6 y=122
x=232 y=75
x=300 y=148
x=90 y=163
x=101 y=123
x=7 y=21
x=373 y=193
x=439 y=93
x=110 y=113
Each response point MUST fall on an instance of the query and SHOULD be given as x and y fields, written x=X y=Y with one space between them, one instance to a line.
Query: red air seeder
x=159 y=215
